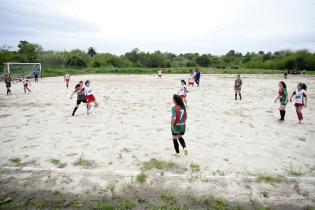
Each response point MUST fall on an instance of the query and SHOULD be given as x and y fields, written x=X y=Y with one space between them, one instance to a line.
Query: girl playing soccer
x=283 y=98
x=178 y=123
x=8 y=81
x=79 y=89
x=183 y=90
x=160 y=74
x=25 y=83
x=89 y=97
x=67 y=79
x=238 y=86
x=300 y=100
x=191 y=80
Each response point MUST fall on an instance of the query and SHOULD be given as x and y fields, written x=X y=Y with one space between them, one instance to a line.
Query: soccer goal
x=17 y=70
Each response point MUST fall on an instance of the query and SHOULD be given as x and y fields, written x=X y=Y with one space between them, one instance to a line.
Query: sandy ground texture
x=231 y=143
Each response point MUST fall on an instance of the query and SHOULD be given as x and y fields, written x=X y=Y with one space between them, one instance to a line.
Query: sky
x=177 y=26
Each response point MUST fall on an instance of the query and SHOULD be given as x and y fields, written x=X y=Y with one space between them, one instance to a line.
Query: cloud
x=117 y=26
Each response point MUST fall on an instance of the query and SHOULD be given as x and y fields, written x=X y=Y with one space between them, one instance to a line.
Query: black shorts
x=8 y=85
x=79 y=101
x=176 y=134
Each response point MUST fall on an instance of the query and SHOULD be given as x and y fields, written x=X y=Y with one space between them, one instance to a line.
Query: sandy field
x=233 y=142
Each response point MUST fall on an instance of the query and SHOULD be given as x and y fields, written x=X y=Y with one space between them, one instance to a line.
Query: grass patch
x=168 y=207
x=273 y=180
x=102 y=205
x=213 y=203
x=265 y=194
x=142 y=177
x=194 y=167
x=168 y=198
x=294 y=172
x=125 y=149
x=15 y=160
x=81 y=161
x=158 y=164
x=39 y=204
x=55 y=162
x=126 y=204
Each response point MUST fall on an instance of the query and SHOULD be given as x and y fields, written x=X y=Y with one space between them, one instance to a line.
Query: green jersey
x=283 y=96
x=180 y=123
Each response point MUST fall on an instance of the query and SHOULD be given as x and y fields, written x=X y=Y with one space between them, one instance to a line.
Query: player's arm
x=305 y=105
x=292 y=96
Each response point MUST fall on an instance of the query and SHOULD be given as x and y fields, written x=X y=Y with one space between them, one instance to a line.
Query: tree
x=203 y=61
x=28 y=52
x=91 y=52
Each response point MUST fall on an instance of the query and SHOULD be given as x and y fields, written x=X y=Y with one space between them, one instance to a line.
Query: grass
x=294 y=172
x=102 y=205
x=168 y=197
x=142 y=177
x=81 y=161
x=52 y=72
x=273 y=180
x=211 y=202
x=265 y=194
x=125 y=149
x=56 y=162
x=194 y=167
x=15 y=160
x=126 y=204
x=158 y=164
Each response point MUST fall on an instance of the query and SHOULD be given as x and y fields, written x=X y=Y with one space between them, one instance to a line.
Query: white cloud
x=117 y=26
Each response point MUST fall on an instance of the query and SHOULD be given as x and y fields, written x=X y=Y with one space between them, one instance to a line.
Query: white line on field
x=167 y=174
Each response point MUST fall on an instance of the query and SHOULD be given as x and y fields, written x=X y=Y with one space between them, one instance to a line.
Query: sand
x=228 y=139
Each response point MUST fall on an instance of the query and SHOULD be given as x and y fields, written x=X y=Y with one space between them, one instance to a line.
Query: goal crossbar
x=8 y=65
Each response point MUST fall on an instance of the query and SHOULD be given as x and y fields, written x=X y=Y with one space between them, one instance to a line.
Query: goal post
x=17 y=70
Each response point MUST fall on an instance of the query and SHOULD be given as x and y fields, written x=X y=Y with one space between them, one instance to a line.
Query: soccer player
x=79 y=90
x=238 y=86
x=182 y=91
x=25 y=83
x=197 y=76
x=67 y=79
x=160 y=74
x=191 y=80
x=36 y=75
x=283 y=98
x=89 y=97
x=300 y=100
x=285 y=74
x=178 y=123
x=8 y=81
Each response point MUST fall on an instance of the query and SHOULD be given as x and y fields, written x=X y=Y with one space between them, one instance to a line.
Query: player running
x=300 y=100
x=183 y=91
x=67 y=79
x=7 y=80
x=89 y=97
x=160 y=74
x=178 y=124
x=197 y=76
x=238 y=86
x=283 y=98
x=191 y=80
x=26 y=84
x=79 y=90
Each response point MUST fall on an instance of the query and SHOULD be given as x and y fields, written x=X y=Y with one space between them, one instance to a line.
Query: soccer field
x=237 y=149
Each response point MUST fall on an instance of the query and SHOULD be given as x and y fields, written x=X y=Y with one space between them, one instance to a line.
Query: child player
x=283 y=98
x=67 y=79
x=238 y=86
x=8 y=81
x=178 y=124
x=300 y=100
x=79 y=90
x=25 y=83
x=182 y=91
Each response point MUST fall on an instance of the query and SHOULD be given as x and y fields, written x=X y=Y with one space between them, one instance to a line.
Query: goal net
x=18 y=70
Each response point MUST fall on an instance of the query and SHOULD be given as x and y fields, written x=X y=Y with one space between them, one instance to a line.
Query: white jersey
x=67 y=76
x=191 y=79
x=183 y=90
x=24 y=81
x=87 y=90
x=299 y=96
x=160 y=73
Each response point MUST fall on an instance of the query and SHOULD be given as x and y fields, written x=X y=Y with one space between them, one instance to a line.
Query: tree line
x=32 y=52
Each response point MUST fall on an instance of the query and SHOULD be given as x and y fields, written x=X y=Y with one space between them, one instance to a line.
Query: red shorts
x=298 y=105
x=25 y=85
x=191 y=83
x=183 y=96
x=90 y=98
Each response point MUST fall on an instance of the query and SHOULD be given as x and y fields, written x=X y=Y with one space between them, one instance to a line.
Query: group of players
x=179 y=112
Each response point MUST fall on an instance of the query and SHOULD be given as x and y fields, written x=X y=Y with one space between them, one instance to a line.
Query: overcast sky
x=179 y=26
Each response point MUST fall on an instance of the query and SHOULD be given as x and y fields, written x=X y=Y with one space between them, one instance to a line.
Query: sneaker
x=175 y=154
x=185 y=151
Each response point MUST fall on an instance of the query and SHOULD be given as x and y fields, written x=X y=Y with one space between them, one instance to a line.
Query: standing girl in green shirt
x=283 y=98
